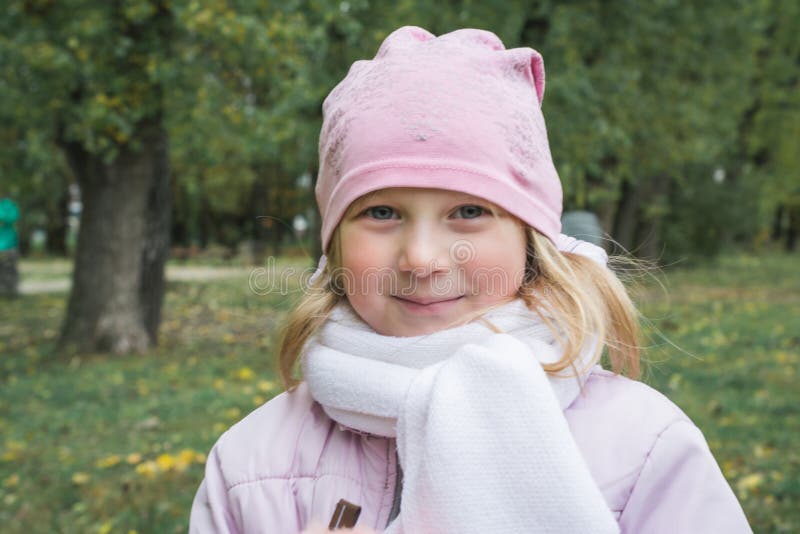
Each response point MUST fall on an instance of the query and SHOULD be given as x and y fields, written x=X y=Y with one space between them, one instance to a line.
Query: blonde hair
x=581 y=301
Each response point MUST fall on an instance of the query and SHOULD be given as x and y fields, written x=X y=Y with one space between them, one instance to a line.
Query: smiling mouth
x=426 y=302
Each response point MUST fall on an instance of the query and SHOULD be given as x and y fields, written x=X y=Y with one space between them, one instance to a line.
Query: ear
x=404 y=36
x=526 y=63
x=537 y=70
x=472 y=35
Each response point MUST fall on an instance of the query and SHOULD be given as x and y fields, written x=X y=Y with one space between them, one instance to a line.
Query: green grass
x=112 y=444
x=736 y=325
x=116 y=444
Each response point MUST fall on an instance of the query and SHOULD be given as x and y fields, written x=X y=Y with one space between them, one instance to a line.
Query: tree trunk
x=627 y=215
x=180 y=217
x=652 y=223
x=259 y=210
x=57 y=226
x=606 y=213
x=118 y=278
x=23 y=241
x=276 y=227
x=634 y=229
x=793 y=228
x=777 y=223
x=157 y=235
x=206 y=223
x=276 y=235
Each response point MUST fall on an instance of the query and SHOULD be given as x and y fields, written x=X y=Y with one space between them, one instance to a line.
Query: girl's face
x=415 y=261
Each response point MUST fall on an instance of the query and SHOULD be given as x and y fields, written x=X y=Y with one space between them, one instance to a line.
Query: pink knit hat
x=456 y=112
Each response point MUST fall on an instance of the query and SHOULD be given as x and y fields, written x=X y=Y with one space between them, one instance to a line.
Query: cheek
x=361 y=258
x=498 y=268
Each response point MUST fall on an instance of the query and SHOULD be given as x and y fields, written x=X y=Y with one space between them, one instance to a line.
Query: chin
x=421 y=329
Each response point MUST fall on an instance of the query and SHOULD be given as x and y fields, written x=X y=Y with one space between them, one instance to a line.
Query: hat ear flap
x=526 y=63
x=402 y=37
x=537 y=70
x=472 y=36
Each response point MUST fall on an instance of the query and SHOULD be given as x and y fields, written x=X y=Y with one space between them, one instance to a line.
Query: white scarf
x=480 y=432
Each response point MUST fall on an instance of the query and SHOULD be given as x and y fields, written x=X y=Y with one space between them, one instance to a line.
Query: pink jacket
x=287 y=464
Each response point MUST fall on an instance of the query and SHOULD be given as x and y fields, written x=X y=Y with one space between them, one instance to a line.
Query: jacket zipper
x=398 y=491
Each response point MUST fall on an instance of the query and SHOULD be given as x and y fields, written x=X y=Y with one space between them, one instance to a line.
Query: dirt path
x=174 y=274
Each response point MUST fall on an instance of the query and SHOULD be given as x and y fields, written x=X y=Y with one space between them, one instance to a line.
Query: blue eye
x=470 y=211
x=382 y=213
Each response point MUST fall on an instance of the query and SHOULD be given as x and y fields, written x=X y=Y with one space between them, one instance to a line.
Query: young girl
x=449 y=345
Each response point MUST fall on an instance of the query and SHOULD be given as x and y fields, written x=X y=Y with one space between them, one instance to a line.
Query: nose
x=423 y=252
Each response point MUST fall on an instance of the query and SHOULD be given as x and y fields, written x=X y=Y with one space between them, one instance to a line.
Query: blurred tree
x=34 y=172
x=242 y=132
x=92 y=75
x=644 y=103
x=647 y=96
x=770 y=127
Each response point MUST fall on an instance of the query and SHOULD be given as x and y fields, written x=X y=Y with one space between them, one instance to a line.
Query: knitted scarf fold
x=480 y=429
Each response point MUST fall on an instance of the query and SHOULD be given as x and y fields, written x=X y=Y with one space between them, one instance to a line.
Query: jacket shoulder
x=264 y=443
x=631 y=400
x=287 y=464
x=650 y=460
x=616 y=422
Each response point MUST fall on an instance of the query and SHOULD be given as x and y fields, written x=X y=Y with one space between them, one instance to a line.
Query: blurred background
x=157 y=166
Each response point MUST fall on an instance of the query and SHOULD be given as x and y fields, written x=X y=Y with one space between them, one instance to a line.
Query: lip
x=427 y=306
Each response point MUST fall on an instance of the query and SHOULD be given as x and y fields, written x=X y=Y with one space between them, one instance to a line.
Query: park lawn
x=725 y=346
x=117 y=444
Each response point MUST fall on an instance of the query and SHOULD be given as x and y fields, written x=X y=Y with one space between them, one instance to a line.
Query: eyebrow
x=460 y=198
x=361 y=201
x=466 y=197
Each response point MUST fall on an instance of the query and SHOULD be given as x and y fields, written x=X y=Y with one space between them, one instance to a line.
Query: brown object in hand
x=345 y=515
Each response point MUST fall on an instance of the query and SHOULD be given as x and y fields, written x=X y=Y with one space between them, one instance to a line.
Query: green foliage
x=647 y=90
x=774 y=123
x=722 y=202
x=636 y=93
x=92 y=77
